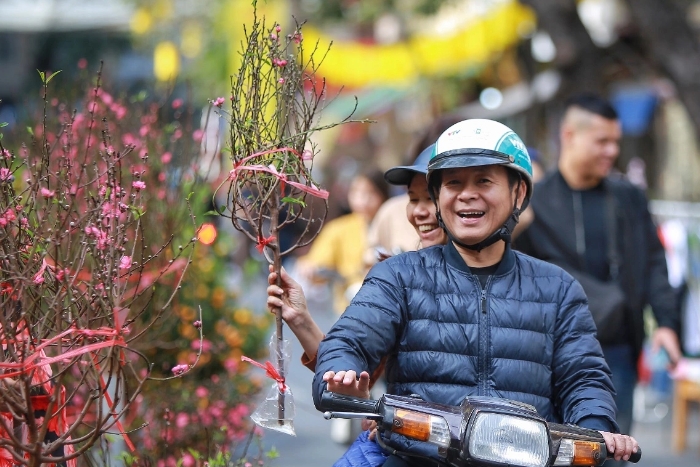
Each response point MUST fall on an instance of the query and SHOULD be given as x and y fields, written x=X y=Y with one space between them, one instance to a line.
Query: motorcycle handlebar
x=340 y=403
x=334 y=402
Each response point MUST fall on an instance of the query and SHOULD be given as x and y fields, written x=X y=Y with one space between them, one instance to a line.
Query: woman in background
x=338 y=250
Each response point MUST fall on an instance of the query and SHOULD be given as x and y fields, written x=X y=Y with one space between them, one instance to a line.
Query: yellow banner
x=357 y=65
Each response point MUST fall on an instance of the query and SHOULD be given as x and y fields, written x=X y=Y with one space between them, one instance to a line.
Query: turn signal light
x=421 y=427
x=580 y=453
x=414 y=425
x=587 y=453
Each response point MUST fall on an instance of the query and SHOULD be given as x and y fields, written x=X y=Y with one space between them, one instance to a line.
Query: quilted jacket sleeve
x=367 y=331
x=582 y=381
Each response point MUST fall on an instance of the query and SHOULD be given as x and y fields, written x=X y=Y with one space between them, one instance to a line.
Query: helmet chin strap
x=503 y=233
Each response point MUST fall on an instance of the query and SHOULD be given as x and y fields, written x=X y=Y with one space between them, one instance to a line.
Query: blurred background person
x=538 y=170
x=337 y=254
x=597 y=226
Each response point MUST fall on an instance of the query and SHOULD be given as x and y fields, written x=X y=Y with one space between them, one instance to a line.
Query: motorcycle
x=480 y=431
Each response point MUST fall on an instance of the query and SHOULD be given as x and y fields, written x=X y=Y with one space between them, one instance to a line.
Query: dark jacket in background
x=643 y=272
x=528 y=337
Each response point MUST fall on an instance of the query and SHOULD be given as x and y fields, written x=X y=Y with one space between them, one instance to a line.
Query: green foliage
x=45 y=79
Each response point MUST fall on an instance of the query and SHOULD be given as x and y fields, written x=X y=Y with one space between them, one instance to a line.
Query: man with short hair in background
x=597 y=226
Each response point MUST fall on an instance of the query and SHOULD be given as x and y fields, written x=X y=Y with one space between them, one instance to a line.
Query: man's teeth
x=427 y=227
x=472 y=214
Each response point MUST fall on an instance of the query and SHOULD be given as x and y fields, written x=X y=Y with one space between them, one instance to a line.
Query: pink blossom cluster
x=125 y=262
x=7 y=217
x=179 y=370
x=98 y=234
x=119 y=110
x=11 y=215
x=6 y=175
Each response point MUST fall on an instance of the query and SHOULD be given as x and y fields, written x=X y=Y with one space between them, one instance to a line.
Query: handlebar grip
x=634 y=458
x=340 y=403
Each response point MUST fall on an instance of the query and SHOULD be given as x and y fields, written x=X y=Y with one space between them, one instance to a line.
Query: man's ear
x=566 y=132
x=435 y=196
x=521 y=192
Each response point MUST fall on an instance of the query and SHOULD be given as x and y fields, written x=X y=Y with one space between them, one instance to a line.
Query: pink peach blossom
x=125 y=262
x=10 y=215
x=180 y=369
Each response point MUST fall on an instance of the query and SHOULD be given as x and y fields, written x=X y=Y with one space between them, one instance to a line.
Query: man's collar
x=455 y=260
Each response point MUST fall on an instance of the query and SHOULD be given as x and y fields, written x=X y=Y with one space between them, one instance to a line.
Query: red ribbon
x=112 y=338
x=36 y=360
x=264 y=241
x=270 y=371
x=239 y=166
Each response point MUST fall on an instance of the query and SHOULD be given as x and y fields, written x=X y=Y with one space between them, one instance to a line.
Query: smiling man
x=473 y=317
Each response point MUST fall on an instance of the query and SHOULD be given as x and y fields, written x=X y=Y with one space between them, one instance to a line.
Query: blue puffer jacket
x=362 y=453
x=528 y=336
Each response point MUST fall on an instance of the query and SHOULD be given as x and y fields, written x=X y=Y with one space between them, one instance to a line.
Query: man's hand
x=622 y=446
x=346 y=382
x=668 y=339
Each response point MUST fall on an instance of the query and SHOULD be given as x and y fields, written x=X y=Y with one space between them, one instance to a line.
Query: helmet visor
x=478 y=158
x=403 y=175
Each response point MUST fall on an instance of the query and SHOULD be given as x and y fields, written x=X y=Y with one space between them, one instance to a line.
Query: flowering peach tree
x=86 y=274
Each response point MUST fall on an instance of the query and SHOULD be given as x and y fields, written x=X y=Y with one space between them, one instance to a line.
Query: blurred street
x=655 y=439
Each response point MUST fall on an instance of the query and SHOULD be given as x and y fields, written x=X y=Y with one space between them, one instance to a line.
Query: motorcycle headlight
x=508 y=439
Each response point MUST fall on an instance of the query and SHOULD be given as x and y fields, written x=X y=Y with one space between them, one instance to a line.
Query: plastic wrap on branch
x=267 y=413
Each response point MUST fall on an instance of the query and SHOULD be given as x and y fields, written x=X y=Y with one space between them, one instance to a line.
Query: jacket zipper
x=483 y=338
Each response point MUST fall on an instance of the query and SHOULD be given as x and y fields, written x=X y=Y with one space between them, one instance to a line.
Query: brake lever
x=329 y=415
